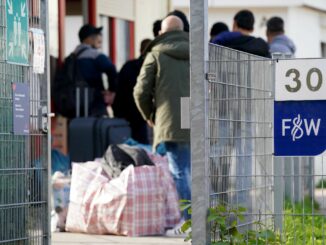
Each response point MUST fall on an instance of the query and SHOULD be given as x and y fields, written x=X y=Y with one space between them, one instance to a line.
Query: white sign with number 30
x=300 y=79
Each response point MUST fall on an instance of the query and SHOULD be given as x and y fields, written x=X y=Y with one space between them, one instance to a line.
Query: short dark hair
x=183 y=17
x=245 y=19
x=218 y=27
x=275 y=25
x=88 y=30
x=144 y=44
x=157 y=27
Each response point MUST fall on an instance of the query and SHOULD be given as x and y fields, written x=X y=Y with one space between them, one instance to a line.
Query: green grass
x=300 y=226
x=303 y=224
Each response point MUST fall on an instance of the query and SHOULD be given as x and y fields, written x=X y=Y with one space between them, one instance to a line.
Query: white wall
x=122 y=9
x=143 y=12
x=147 y=12
x=72 y=26
x=53 y=28
x=305 y=29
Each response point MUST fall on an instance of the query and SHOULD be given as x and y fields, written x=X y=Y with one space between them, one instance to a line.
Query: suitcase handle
x=78 y=102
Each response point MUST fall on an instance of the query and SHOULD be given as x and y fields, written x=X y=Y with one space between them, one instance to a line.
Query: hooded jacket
x=248 y=44
x=282 y=44
x=165 y=78
x=92 y=64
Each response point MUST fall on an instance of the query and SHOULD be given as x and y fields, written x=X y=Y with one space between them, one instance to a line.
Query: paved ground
x=66 y=238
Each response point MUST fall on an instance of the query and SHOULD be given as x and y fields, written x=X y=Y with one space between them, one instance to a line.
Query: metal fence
x=240 y=114
x=256 y=198
x=24 y=162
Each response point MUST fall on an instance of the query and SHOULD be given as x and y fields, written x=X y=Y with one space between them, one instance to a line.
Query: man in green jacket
x=164 y=78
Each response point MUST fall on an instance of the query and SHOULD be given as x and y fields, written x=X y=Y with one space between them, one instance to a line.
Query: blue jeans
x=179 y=164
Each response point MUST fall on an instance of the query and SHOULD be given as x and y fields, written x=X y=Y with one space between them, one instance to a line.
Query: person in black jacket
x=218 y=28
x=240 y=38
x=124 y=105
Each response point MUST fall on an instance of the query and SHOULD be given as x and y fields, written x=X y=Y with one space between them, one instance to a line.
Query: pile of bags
x=130 y=195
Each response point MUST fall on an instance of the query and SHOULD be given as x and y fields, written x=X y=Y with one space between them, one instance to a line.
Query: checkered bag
x=141 y=201
x=152 y=201
x=86 y=179
x=172 y=206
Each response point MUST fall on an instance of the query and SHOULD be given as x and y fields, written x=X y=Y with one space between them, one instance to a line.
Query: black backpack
x=67 y=80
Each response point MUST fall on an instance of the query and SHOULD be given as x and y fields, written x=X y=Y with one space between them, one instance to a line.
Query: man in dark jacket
x=92 y=64
x=124 y=104
x=164 y=78
x=218 y=28
x=240 y=38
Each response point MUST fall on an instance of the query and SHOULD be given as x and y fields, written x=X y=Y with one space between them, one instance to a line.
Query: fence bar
x=198 y=66
x=45 y=11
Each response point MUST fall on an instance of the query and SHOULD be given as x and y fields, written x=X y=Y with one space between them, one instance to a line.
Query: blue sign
x=21 y=108
x=299 y=128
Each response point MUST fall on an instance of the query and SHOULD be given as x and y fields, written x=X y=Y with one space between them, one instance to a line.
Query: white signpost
x=300 y=107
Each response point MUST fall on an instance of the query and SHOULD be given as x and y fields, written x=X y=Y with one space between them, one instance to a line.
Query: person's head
x=183 y=17
x=217 y=28
x=143 y=45
x=98 y=41
x=244 y=22
x=171 y=23
x=157 y=27
x=89 y=34
x=275 y=27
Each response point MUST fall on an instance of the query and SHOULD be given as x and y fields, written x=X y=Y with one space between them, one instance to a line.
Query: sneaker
x=177 y=231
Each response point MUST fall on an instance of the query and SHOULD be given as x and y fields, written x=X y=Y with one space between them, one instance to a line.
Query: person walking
x=124 y=104
x=218 y=28
x=240 y=38
x=278 y=41
x=92 y=64
x=165 y=78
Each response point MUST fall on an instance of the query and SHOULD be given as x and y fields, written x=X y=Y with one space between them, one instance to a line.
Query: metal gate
x=254 y=197
x=240 y=154
x=24 y=159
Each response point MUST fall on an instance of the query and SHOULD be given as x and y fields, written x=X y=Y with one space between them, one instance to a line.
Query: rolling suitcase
x=81 y=133
x=110 y=131
x=90 y=137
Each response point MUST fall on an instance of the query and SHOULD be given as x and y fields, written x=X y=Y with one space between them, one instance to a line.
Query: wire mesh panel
x=240 y=115
x=256 y=198
x=23 y=158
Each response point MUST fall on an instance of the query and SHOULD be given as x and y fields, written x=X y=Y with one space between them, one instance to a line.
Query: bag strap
x=80 y=51
x=76 y=55
x=78 y=91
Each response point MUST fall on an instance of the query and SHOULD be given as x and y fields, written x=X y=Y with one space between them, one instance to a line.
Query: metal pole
x=45 y=10
x=199 y=122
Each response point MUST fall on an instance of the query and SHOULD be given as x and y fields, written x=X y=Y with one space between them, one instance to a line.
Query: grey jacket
x=282 y=44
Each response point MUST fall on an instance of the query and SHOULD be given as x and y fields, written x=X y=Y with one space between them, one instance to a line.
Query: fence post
x=199 y=158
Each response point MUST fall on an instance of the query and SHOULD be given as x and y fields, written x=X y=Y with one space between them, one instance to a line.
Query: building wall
x=305 y=28
x=122 y=9
x=142 y=12
x=73 y=23
x=147 y=12
x=53 y=27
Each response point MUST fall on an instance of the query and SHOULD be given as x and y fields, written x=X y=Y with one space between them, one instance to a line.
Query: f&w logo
x=299 y=127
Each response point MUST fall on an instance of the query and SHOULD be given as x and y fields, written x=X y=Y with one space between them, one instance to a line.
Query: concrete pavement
x=66 y=238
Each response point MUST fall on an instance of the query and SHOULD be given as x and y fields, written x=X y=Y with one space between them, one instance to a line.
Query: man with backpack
x=80 y=83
